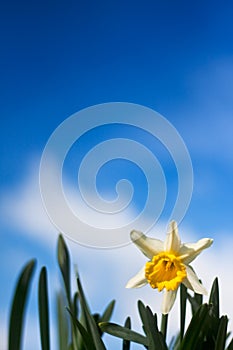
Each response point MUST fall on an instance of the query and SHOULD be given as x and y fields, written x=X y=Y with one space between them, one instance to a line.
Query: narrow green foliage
x=126 y=343
x=75 y=304
x=213 y=330
x=195 y=301
x=86 y=338
x=64 y=264
x=222 y=334
x=62 y=323
x=123 y=333
x=18 y=306
x=150 y=327
x=107 y=314
x=196 y=331
x=91 y=324
x=43 y=310
x=214 y=298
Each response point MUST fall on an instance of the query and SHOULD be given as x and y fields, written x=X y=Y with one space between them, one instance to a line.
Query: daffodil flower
x=168 y=266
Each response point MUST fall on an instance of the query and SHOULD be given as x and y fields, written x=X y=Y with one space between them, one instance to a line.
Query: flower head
x=168 y=266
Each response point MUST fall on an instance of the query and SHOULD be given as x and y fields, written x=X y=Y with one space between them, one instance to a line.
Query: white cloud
x=105 y=272
x=22 y=209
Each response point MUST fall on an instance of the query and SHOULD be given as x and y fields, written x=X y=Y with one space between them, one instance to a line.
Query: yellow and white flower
x=168 y=266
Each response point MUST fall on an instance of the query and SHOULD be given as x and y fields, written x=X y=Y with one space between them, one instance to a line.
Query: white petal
x=172 y=242
x=189 y=251
x=139 y=280
x=149 y=246
x=192 y=281
x=169 y=298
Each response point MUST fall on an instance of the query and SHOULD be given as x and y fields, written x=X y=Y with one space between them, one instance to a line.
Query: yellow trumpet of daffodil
x=168 y=266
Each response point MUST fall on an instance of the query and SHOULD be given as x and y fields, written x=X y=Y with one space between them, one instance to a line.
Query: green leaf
x=126 y=343
x=105 y=316
x=155 y=338
x=123 y=333
x=87 y=340
x=197 y=329
x=64 y=264
x=63 y=324
x=44 y=310
x=108 y=312
x=75 y=304
x=195 y=301
x=214 y=298
x=18 y=306
x=222 y=334
x=91 y=324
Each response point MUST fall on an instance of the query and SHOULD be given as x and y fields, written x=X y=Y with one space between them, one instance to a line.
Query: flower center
x=165 y=270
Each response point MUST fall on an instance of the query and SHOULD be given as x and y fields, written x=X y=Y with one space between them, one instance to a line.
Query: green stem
x=164 y=325
x=183 y=299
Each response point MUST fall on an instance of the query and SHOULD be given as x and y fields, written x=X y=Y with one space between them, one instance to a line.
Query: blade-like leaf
x=108 y=312
x=222 y=334
x=75 y=304
x=18 y=306
x=64 y=264
x=43 y=310
x=106 y=315
x=92 y=326
x=126 y=343
x=63 y=323
x=196 y=329
x=87 y=340
x=195 y=301
x=155 y=338
x=123 y=333
x=214 y=298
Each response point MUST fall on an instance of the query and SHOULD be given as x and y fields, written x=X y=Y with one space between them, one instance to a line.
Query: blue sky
x=60 y=57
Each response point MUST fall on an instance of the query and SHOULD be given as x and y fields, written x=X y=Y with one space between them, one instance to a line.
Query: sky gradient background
x=60 y=57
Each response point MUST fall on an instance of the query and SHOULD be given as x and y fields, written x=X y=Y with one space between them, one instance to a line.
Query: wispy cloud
x=22 y=209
